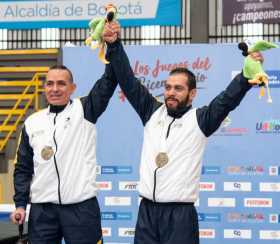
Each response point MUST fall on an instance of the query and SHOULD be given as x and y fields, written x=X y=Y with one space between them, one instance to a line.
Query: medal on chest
x=47 y=152
x=161 y=159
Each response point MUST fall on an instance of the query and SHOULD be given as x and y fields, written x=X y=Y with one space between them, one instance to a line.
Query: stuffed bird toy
x=253 y=69
x=96 y=30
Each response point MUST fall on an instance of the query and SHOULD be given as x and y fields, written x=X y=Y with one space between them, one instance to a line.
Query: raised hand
x=111 y=31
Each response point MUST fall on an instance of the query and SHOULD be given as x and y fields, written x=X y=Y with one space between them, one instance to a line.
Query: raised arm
x=137 y=94
x=210 y=117
x=97 y=100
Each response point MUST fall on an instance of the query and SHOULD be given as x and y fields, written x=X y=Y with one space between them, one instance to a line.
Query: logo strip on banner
x=76 y=14
x=237 y=234
x=207 y=233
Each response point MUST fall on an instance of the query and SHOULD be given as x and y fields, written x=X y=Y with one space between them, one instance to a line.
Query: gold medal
x=47 y=152
x=161 y=159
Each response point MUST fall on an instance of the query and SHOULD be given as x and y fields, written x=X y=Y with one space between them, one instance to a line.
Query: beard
x=181 y=105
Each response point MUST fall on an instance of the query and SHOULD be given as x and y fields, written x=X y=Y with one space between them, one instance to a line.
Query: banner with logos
x=239 y=190
x=250 y=11
x=30 y=14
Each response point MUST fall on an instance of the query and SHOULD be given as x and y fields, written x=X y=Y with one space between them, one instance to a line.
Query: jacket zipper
x=155 y=172
x=55 y=163
x=169 y=126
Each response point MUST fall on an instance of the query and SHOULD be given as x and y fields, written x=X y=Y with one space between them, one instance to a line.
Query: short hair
x=63 y=67
x=191 y=83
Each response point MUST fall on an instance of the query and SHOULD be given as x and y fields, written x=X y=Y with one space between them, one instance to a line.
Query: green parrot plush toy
x=253 y=69
x=96 y=29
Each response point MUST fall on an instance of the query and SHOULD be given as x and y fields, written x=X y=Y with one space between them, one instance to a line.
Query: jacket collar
x=178 y=113
x=58 y=108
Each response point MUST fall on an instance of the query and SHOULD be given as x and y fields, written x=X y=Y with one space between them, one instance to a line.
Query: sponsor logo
x=128 y=185
x=269 y=187
x=268 y=127
x=211 y=170
x=104 y=185
x=106 y=231
x=245 y=170
x=258 y=202
x=273 y=78
x=209 y=217
x=126 y=232
x=116 y=215
x=245 y=217
x=124 y=169
x=237 y=234
x=274 y=170
x=108 y=215
x=221 y=202
x=116 y=169
x=117 y=201
x=231 y=131
x=226 y=130
x=269 y=234
x=274 y=218
x=207 y=186
x=207 y=233
x=124 y=216
x=237 y=186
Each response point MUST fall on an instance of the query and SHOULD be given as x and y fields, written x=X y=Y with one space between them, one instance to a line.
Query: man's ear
x=73 y=88
x=192 y=93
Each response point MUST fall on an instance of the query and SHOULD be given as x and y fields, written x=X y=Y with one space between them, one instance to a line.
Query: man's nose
x=170 y=92
x=55 y=87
